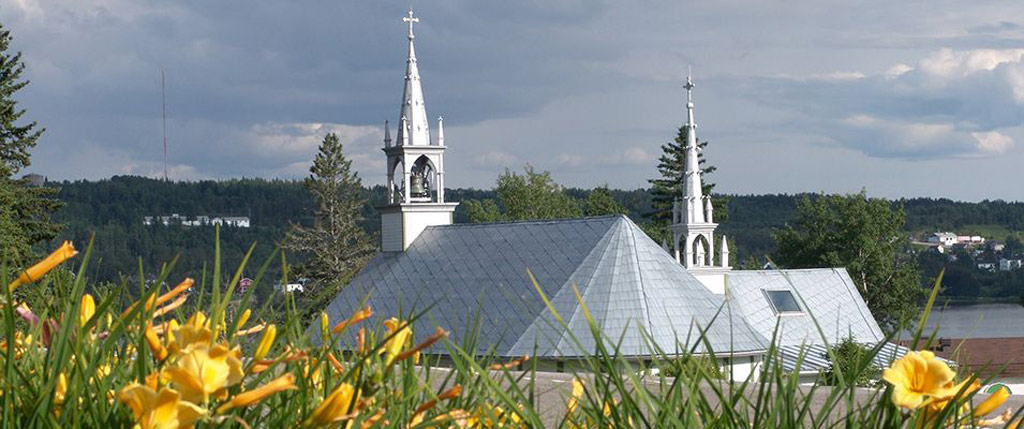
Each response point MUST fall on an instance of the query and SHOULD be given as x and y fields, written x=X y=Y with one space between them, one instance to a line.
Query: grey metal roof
x=476 y=275
x=829 y=299
x=815 y=356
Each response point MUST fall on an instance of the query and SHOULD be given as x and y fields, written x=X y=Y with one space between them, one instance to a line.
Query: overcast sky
x=909 y=98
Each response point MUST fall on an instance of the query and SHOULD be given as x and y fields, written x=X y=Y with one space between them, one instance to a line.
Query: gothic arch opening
x=423 y=180
x=701 y=251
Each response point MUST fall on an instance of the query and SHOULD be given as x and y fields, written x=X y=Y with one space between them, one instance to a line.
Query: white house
x=944 y=238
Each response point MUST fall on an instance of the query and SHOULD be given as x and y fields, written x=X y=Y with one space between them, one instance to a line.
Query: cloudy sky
x=915 y=98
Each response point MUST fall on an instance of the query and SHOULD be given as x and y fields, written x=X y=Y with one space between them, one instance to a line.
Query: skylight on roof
x=782 y=301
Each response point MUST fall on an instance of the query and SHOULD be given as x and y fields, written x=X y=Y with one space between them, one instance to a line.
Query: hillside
x=114 y=209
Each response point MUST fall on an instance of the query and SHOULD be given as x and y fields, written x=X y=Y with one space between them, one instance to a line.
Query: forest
x=112 y=211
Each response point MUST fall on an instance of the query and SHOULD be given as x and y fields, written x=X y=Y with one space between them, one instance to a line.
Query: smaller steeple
x=387 y=134
x=440 y=131
x=723 y=260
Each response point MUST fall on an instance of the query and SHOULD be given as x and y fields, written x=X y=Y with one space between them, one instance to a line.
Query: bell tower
x=415 y=166
x=693 y=227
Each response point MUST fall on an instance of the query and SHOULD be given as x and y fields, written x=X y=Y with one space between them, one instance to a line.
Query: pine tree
x=669 y=186
x=24 y=211
x=335 y=245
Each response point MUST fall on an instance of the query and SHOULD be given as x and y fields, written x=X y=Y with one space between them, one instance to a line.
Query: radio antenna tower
x=163 y=108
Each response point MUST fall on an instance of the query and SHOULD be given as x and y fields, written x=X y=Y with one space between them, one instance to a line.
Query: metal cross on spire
x=411 y=20
x=689 y=84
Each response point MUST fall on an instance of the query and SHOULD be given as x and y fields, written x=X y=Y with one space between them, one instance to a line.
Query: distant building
x=235 y=221
x=201 y=220
x=996 y=246
x=944 y=238
x=1009 y=264
x=988 y=266
x=970 y=239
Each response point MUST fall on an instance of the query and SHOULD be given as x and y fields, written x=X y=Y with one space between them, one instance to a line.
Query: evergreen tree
x=24 y=211
x=529 y=196
x=669 y=185
x=864 y=235
x=335 y=245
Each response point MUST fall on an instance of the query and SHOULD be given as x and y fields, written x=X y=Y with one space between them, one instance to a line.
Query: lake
x=978 y=321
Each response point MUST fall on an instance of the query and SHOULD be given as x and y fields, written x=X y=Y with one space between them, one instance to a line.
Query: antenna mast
x=163 y=108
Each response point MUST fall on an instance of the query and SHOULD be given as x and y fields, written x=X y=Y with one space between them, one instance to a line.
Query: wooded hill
x=114 y=209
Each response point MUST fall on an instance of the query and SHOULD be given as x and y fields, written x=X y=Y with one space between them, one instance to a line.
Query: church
x=483 y=282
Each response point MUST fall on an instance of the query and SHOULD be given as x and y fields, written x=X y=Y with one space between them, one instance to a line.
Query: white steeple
x=693 y=227
x=415 y=166
x=415 y=130
x=693 y=188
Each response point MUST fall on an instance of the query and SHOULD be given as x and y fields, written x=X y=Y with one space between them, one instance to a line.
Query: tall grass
x=125 y=357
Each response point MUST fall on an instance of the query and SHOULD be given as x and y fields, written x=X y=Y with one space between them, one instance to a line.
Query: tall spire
x=693 y=189
x=415 y=131
x=693 y=227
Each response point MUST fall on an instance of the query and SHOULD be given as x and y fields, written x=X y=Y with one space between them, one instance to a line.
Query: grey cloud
x=996 y=27
x=520 y=82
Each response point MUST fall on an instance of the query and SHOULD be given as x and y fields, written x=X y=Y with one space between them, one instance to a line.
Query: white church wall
x=416 y=222
x=715 y=282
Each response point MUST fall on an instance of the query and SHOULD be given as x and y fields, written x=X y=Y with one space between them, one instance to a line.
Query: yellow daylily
x=994 y=401
x=325 y=334
x=65 y=251
x=243 y=319
x=266 y=342
x=335 y=407
x=62 y=389
x=185 y=338
x=401 y=338
x=86 y=309
x=919 y=378
x=158 y=349
x=282 y=383
x=205 y=371
x=178 y=290
x=359 y=316
x=159 y=410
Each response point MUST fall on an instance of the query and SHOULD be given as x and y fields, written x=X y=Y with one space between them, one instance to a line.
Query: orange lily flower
x=65 y=251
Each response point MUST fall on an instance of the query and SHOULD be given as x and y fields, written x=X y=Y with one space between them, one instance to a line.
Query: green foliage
x=530 y=196
x=691 y=366
x=864 y=235
x=24 y=211
x=335 y=246
x=113 y=209
x=601 y=203
x=852 y=365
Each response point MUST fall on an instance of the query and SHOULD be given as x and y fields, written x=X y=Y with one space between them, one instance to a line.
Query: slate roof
x=828 y=297
x=476 y=275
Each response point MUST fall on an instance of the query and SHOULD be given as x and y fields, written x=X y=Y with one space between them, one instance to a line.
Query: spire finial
x=387 y=134
x=689 y=84
x=411 y=20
